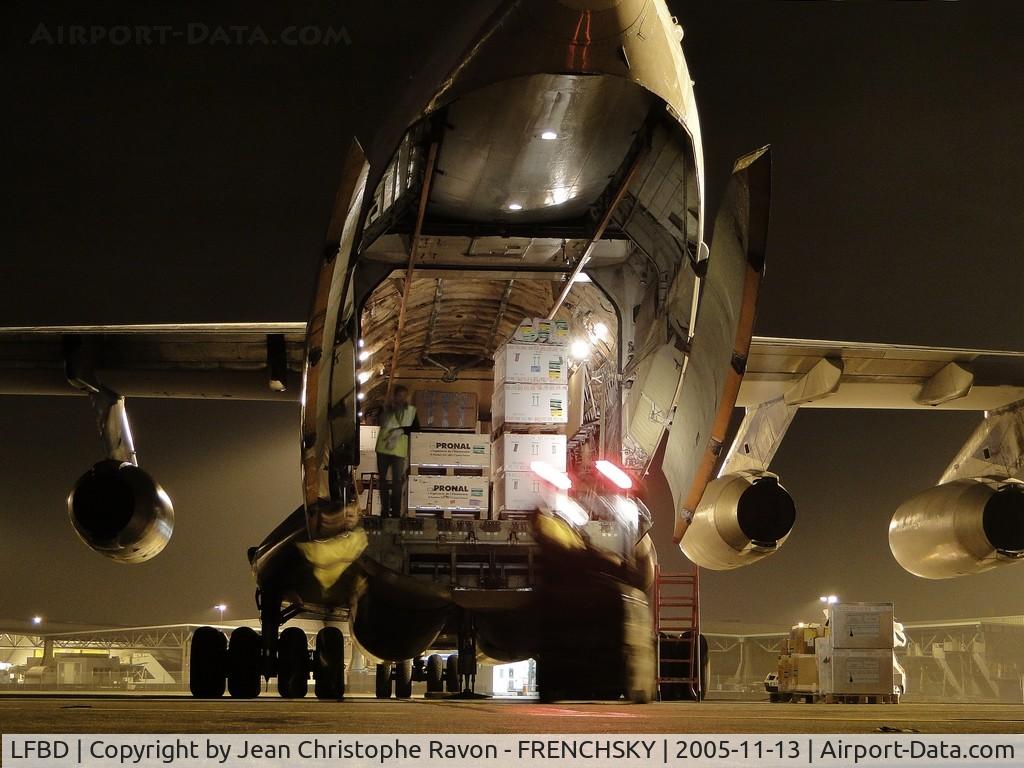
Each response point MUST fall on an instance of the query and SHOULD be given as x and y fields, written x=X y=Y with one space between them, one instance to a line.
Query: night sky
x=192 y=183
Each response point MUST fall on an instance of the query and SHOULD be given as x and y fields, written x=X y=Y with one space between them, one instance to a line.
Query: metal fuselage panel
x=544 y=144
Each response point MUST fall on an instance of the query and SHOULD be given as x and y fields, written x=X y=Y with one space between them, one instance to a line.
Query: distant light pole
x=829 y=599
x=220 y=607
x=37 y=620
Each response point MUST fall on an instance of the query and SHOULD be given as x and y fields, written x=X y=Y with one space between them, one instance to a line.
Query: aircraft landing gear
x=244 y=663
x=435 y=674
x=451 y=673
x=292 y=664
x=250 y=656
x=403 y=679
x=329 y=664
x=383 y=688
x=466 y=659
x=400 y=675
x=207 y=663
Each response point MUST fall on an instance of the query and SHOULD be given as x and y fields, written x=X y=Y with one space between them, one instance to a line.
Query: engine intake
x=741 y=519
x=119 y=511
x=959 y=528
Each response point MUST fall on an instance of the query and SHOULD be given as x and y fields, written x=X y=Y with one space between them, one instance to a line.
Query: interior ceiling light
x=549 y=135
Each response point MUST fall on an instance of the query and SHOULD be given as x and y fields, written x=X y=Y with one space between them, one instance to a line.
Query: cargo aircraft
x=566 y=182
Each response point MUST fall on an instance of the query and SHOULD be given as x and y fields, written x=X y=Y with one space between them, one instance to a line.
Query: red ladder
x=677 y=623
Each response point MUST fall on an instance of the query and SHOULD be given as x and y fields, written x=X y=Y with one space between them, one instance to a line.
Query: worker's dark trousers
x=391 y=489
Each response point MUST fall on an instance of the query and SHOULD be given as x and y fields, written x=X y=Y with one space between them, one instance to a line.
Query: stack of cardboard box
x=529 y=411
x=448 y=474
x=798 y=668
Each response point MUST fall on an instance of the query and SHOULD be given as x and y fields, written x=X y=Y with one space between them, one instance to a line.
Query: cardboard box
x=861 y=670
x=448 y=494
x=861 y=625
x=440 y=409
x=368 y=437
x=521 y=492
x=531 y=364
x=367 y=462
x=540 y=330
x=444 y=449
x=801 y=638
x=805 y=672
x=529 y=404
x=514 y=453
x=798 y=672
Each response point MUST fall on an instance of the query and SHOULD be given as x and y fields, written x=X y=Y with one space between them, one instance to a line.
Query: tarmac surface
x=31 y=713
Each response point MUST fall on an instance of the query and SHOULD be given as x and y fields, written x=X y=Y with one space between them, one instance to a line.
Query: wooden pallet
x=514 y=514
x=452 y=471
x=448 y=514
x=515 y=428
x=854 y=698
x=803 y=697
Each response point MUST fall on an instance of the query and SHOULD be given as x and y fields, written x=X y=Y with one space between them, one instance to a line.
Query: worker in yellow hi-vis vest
x=397 y=420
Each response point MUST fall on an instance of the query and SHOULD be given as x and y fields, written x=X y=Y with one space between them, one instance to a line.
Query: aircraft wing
x=251 y=361
x=835 y=374
x=239 y=361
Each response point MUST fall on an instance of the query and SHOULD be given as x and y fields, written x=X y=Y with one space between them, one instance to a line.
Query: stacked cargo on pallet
x=798 y=668
x=529 y=413
x=449 y=474
x=856 y=656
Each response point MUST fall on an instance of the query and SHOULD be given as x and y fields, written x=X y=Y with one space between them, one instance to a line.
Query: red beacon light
x=613 y=473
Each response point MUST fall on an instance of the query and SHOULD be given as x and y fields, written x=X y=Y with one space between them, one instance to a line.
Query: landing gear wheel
x=403 y=679
x=244 y=663
x=208 y=663
x=451 y=674
x=329 y=667
x=383 y=681
x=435 y=674
x=292 y=664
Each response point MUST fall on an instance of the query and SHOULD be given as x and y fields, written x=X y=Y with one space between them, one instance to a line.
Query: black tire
x=403 y=679
x=435 y=674
x=383 y=681
x=292 y=664
x=451 y=674
x=329 y=669
x=208 y=661
x=244 y=663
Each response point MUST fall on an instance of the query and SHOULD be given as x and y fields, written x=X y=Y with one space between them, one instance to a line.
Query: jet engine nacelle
x=959 y=528
x=741 y=519
x=121 y=512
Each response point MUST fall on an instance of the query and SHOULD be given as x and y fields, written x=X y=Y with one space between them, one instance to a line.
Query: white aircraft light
x=579 y=350
x=558 y=479
x=613 y=473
